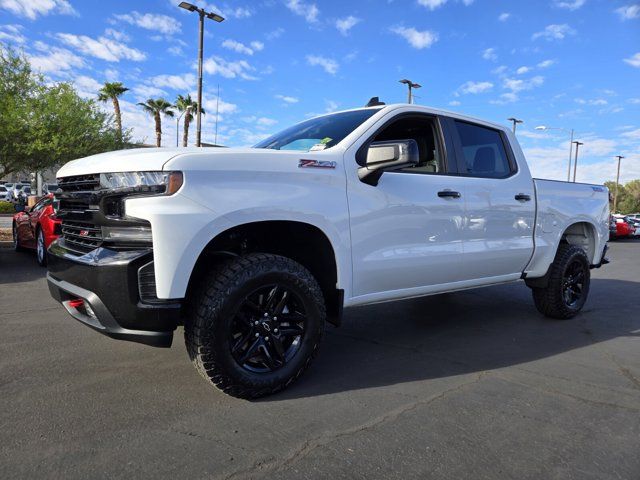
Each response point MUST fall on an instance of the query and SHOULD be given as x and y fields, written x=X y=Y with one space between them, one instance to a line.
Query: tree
x=156 y=108
x=186 y=104
x=44 y=125
x=111 y=91
x=628 y=196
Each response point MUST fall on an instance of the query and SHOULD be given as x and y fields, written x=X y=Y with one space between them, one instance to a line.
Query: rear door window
x=483 y=151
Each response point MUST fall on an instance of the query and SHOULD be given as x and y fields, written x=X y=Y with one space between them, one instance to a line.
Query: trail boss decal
x=316 y=164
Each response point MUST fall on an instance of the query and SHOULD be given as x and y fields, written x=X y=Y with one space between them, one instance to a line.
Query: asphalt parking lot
x=474 y=384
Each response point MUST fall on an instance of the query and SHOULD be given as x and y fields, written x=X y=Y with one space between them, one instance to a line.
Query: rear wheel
x=255 y=325
x=568 y=286
x=41 y=250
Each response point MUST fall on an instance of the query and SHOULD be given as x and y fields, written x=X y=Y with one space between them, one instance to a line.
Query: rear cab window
x=483 y=151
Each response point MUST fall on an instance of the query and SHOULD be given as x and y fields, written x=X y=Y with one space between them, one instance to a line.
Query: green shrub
x=6 y=207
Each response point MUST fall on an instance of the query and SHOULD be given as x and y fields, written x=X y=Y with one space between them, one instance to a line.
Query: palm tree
x=186 y=104
x=111 y=91
x=156 y=108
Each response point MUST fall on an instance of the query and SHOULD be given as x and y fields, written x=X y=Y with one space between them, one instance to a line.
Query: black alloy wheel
x=573 y=283
x=268 y=328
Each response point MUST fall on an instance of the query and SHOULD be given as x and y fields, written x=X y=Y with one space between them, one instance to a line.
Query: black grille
x=81 y=236
x=79 y=183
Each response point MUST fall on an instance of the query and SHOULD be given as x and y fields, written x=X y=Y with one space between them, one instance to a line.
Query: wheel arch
x=584 y=235
x=303 y=242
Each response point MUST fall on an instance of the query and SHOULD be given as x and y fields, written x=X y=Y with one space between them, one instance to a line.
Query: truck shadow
x=458 y=333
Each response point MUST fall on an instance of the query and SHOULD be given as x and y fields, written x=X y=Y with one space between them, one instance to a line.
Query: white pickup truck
x=254 y=249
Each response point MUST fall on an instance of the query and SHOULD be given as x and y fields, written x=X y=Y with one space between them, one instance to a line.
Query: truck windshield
x=318 y=133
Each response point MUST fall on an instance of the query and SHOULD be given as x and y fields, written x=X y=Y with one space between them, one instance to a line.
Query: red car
x=36 y=227
x=623 y=229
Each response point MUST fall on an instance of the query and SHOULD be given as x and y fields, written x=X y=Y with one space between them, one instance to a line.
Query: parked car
x=613 y=228
x=253 y=249
x=4 y=193
x=35 y=228
x=16 y=191
x=49 y=188
x=623 y=228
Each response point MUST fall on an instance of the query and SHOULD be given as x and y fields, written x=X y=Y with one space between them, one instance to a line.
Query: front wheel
x=568 y=286
x=16 y=239
x=41 y=249
x=255 y=324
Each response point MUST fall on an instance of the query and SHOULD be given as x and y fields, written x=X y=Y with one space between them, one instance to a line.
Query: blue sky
x=563 y=63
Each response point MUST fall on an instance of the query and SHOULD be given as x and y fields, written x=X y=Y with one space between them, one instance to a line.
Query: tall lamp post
x=575 y=162
x=515 y=122
x=188 y=112
x=615 y=195
x=411 y=86
x=543 y=127
x=212 y=16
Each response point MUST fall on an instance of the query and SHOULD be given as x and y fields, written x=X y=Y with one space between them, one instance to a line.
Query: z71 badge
x=316 y=164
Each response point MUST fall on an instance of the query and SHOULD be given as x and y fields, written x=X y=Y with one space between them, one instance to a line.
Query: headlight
x=127 y=234
x=166 y=183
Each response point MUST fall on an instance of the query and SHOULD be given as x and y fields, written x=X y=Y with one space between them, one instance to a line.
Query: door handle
x=523 y=197
x=449 y=194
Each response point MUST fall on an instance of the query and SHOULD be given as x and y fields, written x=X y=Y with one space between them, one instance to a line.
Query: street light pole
x=575 y=163
x=178 y=127
x=571 y=142
x=515 y=122
x=615 y=195
x=200 y=55
x=411 y=86
x=202 y=13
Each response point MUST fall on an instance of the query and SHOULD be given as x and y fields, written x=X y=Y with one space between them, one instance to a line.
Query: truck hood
x=138 y=159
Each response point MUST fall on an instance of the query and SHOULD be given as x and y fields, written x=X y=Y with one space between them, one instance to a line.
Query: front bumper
x=108 y=282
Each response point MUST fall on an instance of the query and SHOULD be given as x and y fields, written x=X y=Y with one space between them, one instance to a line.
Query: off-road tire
x=550 y=300
x=210 y=313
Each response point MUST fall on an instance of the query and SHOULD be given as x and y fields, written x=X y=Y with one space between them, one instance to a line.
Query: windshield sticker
x=316 y=164
x=325 y=140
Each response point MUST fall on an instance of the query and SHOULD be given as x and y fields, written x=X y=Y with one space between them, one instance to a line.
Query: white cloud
x=32 y=8
x=504 y=17
x=152 y=21
x=174 y=82
x=117 y=35
x=287 y=98
x=87 y=87
x=634 y=134
x=454 y=103
x=629 y=12
x=546 y=63
x=490 y=54
x=239 y=47
x=211 y=102
x=219 y=66
x=260 y=121
x=104 y=48
x=12 y=34
x=277 y=33
x=474 y=87
x=518 y=85
x=634 y=101
x=432 y=4
x=345 y=24
x=309 y=11
x=328 y=64
x=54 y=60
x=417 y=39
x=142 y=92
x=634 y=60
x=554 y=32
x=570 y=4
x=595 y=102
x=175 y=50
x=523 y=70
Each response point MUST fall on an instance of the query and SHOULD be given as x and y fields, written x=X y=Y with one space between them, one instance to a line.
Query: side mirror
x=388 y=156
